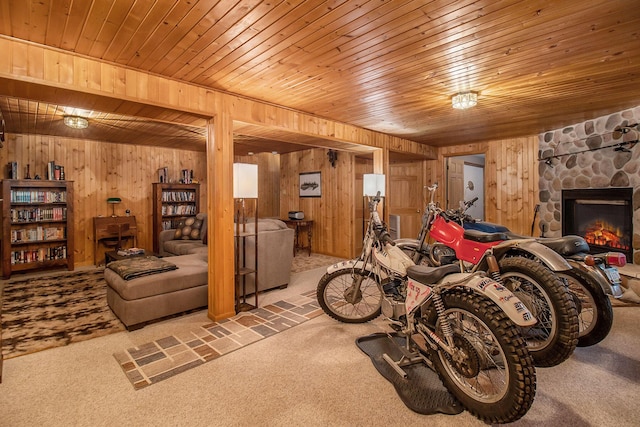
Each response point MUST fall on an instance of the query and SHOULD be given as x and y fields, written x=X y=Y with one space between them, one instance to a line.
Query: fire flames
x=602 y=233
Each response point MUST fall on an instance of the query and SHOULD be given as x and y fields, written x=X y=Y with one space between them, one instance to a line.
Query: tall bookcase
x=171 y=204
x=37 y=225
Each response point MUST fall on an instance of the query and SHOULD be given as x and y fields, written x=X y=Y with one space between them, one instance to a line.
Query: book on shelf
x=12 y=170
x=163 y=174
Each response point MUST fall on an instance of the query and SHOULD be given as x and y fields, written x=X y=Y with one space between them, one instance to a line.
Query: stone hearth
x=584 y=159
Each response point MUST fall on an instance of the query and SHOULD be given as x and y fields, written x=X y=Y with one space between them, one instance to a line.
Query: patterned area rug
x=59 y=308
x=54 y=310
x=304 y=262
x=161 y=359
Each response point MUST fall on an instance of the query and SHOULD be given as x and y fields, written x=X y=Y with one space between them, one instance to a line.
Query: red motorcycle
x=591 y=280
x=527 y=268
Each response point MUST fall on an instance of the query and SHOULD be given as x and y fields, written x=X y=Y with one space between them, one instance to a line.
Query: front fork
x=353 y=293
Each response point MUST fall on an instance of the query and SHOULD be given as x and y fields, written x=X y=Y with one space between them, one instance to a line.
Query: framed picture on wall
x=310 y=185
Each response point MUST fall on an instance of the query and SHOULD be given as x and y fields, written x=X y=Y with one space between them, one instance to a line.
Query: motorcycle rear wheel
x=554 y=337
x=494 y=378
x=595 y=313
x=333 y=292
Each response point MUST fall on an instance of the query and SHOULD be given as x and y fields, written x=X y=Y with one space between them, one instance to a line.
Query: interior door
x=406 y=198
x=455 y=182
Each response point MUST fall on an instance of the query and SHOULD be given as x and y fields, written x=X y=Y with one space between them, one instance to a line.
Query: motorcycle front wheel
x=491 y=371
x=554 y=337
x=595 y=313
x=339 y=298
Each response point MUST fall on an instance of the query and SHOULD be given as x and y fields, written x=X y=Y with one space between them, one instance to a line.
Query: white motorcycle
x=465 y=326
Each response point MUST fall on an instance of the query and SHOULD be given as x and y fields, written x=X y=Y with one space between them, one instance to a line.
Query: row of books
x=38 y=196
x=55 y=172
x=178 y=196
x=37 y=234
x=187 y=176
x=179 y=210
x=38 y=255
x=170 y=224
x=38 y=214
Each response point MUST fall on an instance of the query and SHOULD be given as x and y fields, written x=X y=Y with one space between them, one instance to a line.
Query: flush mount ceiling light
x=76 y=122
x=464 y=100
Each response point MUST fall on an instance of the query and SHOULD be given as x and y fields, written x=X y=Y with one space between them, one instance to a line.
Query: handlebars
x=378 y=227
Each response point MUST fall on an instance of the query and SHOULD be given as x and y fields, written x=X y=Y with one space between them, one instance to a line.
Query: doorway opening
x=465 y=180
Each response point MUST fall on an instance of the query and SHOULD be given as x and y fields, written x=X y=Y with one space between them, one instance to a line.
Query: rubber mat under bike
x=422 y=391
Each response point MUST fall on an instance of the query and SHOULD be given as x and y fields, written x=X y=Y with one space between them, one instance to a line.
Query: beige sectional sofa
x=275 y=251
x=154 y=296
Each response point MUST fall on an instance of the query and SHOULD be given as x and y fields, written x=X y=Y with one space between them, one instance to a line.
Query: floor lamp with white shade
x=245 y=188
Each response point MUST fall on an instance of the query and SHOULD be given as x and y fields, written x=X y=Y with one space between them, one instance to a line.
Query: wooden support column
x=381 y=165
x=220 y=217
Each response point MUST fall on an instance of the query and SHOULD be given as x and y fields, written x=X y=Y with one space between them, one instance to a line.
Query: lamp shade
x=245 y=181
x=372 y=183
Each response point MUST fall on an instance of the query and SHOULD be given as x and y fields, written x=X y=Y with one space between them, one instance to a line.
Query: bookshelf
x=171 y=204
x=37 y=225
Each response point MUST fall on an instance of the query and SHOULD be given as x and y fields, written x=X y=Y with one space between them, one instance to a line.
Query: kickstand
x=409 y=357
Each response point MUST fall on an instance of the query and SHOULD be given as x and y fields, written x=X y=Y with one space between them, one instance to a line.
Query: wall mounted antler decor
x=333 y=157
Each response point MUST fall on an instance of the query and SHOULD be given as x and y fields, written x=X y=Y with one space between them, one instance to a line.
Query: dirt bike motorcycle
x=526 y=267
x=591 y=279
x=465 y=326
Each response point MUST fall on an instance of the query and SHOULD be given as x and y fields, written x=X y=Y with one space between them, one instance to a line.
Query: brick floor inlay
x=152 y=362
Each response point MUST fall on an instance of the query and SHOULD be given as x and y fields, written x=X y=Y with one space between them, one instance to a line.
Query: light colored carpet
x=311 y=375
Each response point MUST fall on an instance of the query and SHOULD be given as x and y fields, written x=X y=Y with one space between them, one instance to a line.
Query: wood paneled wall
x=511 y=179
x=333 y=213
x=100 y=170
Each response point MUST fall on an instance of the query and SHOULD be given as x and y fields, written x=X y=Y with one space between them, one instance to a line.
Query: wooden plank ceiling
x=386 y=65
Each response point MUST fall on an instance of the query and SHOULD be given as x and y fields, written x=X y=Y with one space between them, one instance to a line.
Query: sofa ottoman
x=154 y=296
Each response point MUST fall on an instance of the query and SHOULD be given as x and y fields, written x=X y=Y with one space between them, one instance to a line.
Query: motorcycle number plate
x=612 y=274
x=417 y=293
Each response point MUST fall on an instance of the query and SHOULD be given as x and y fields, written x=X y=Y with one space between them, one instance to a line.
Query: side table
x=300 y=225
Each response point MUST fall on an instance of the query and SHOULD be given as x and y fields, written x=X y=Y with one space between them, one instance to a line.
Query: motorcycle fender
x=349 y=265
x=503 y=297
x=599 y=277
x=553 y=260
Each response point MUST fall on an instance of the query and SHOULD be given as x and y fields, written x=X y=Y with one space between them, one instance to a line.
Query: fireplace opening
x=603 y=217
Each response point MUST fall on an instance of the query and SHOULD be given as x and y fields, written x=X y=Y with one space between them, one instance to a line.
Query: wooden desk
x=300 y=225
x=103 y=229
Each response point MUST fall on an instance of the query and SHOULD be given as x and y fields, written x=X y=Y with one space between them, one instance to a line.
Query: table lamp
x=113 y=201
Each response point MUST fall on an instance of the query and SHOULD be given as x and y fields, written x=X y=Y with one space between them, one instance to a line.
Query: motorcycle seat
x=566 y=245
x=429 y=275
x=482 y=237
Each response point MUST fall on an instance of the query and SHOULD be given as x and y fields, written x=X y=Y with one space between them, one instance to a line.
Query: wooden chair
x=118 y=229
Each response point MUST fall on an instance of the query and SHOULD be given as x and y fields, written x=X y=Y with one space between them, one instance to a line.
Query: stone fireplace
x=588 y=156
x=602 y=216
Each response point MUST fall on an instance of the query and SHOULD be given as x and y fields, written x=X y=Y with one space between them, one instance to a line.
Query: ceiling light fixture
x=464 y=100
x=76 y=122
